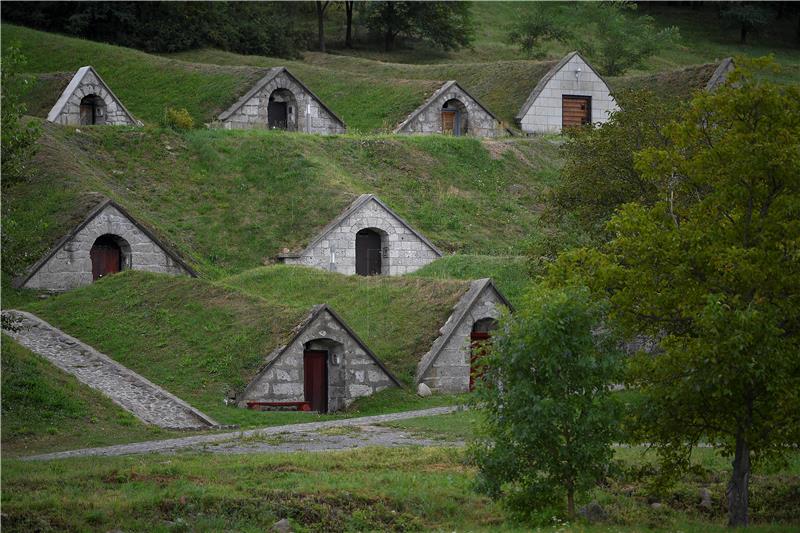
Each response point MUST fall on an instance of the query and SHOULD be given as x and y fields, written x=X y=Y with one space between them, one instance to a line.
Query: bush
x=178 y=119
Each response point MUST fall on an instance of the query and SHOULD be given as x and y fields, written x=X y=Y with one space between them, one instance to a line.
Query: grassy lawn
x=45 y=409
x=460 y=425
x=249 y=190
x=367 y=489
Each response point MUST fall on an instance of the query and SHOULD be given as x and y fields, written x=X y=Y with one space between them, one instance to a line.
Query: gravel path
x=312 y=436
x=126 y=388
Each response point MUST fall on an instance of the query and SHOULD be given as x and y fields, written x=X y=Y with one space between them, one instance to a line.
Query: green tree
x=17 y=138
x=748 y=17
x=550 y=417
x=615 y=40
x=599 y=174
x=712 y=270
x=447 y=25
x=529 y=32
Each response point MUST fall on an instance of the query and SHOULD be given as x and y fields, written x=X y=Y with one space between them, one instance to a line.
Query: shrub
x=178 y=119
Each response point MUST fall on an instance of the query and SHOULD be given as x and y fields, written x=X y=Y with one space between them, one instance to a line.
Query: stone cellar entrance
x=454 y=118
x=109 y=254
x=93 y=110
x=282 y=110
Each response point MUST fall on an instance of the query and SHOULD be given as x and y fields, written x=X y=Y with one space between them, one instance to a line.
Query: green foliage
x=712 y=271
x=529 y=32
x=18 y=138
x=599 y=174
x=269 y=28
x=747 y=17
x=550 y=417
x=614 y=40
x=178 y=119
x=446 y=25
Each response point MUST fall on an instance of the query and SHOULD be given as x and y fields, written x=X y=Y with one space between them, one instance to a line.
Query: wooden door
x=368 y=253
x=478 y=349
x=106 y=259
x=449 y=122
x=315 y=372
x=576 y=111
x=87 y=113
x=277 y=115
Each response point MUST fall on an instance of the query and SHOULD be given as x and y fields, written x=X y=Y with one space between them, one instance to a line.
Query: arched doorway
x=282 y=110
x=368 y=253
x=454 y=118
x=480 y=339
x=109 y=255
x=93 y=110
x=322 y=371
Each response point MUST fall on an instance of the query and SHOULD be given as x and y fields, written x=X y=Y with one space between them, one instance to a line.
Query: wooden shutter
x=576 y=110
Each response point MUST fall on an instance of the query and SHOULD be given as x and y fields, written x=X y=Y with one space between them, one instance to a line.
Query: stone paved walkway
x=126 y=388
x=312 y=436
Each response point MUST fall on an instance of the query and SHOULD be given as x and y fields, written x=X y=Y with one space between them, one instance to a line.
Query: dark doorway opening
x=368 y=253
x=93 y=110
x=107 y=256
x=277 y=115
x=576 y=111
x=480 y=340
x=315 y=379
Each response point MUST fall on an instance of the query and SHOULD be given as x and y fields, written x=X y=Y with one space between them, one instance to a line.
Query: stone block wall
x=356 y=374
x=403 y=250
x=544 y=115
x=446 y=368
x=429 y=120
x=70 y=114
x=309 y=116
x=71 y=265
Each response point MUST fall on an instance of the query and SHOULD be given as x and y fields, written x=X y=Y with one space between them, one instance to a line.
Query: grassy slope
x=200 y=340
x=398 y=318
x=375 y=489
x=45 y=409
x=231 y=200
x=511 y=273
x=195 y=339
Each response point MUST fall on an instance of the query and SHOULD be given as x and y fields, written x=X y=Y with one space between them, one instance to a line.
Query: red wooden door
x=478 y=349
x=315 y=372
x=106 y=259
x=576 y=111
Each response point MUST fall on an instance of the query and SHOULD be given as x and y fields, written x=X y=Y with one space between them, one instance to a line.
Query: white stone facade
x=404 y=250
x=427 y=118
x=69 y=264
x=353 y=370
x=306 y=112
x=572 y=76
x=87 y=82
x=446 y=367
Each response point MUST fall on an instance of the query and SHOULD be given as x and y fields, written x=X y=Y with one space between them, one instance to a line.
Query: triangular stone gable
x=353 y=369
x=572 y=76
x=405 y=248
x=427 y=118
x=720 y=74
x=69 y=265
x=306 y=113
x=87 y=82
x=446 y=366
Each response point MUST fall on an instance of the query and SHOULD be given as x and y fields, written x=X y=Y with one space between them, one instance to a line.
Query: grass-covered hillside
x=230 y=201
x=46 y=409
x=201 y=340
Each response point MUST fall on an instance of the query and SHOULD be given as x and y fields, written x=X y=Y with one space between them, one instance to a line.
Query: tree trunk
x=738 y=487
x=321 y=23
x=388 y=41
x=348 y=36
x=743 y=34
x=571 y=502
